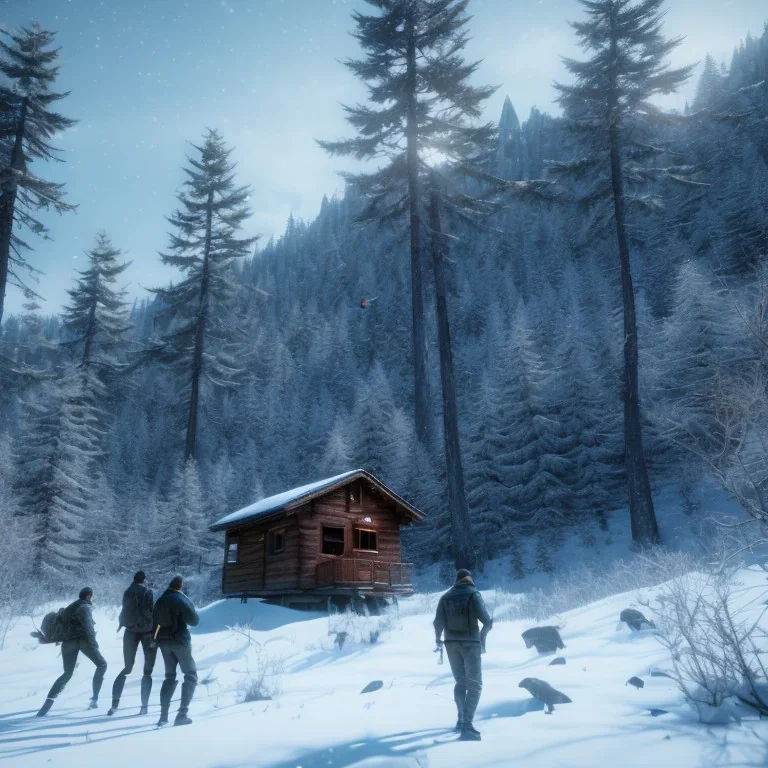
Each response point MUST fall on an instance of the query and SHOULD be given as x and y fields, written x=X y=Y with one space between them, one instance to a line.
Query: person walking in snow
x=81 y=639
x=457 y=615
x=173 y=614
x=136 y=617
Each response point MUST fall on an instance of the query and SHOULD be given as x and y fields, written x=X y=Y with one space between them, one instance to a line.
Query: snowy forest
x=460 y=322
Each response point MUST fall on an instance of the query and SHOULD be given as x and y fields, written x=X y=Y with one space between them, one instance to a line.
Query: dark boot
x=93 y=704
x=146 y=689
x=182 y=720
x=47 y=704
x=470 y=733
x=113 y=708
x=144 y=710
x=163 y=720
x=459 y=725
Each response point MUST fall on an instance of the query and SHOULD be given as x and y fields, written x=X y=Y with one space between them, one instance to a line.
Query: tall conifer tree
x=28 y=122
x=417 y=82
x=204 y=246
x=610 y=110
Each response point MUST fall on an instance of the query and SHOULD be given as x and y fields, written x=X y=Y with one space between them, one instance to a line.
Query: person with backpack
x=136 y=617
x=457 y=615
x=173 y=615
x=75 y=629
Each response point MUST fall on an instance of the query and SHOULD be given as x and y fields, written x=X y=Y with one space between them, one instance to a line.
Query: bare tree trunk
x=190 y=447
x=642 y=515
x=420 y=380
x=8 y=203
x=461 y=528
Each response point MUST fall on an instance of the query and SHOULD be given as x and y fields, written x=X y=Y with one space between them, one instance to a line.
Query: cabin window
x=366 y=540
x=232 y=551
x=333 y=540
x=277 y=542
x=355 y=493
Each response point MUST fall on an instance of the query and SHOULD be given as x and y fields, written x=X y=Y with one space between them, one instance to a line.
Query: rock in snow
x=544 y=692
x=374 y=685
x=546 y=639
x=635 y=620
x=636 y=681
x=559 y=661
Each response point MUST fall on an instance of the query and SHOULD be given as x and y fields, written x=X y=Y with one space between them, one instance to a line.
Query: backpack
x=458 y=618
x=57 y=626
x=134 y=611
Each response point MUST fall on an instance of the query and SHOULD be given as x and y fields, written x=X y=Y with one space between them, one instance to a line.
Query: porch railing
x=349 y=571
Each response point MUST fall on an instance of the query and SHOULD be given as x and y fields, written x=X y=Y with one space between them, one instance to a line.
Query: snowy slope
x=320 y=719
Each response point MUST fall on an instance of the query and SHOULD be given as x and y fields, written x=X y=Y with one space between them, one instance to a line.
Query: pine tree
x=28 y=124
x=710 y=88
x=200 y=307
x=96 y=319
x=609 y=108
x=53 y=484
x=418 y=85
x=180 y=533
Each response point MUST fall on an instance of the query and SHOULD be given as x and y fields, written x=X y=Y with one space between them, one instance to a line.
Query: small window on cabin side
x=333 y=540
x=232 y=551
x=277 y=542
x=366 y=540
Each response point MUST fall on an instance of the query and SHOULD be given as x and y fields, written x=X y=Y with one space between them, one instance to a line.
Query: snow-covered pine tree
x=338 y=455
x=181 y=530
x=27 y=123
x=96 y=319
x=53 y=484
x=200 y=308
x=710 y=89
x=418 y=85
x=609 y=109
x=704 y=341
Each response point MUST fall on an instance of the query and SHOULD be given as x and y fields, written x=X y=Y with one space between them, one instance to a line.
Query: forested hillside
x=309 y=371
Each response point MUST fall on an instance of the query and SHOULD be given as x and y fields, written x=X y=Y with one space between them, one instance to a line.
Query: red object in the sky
x=363 y=303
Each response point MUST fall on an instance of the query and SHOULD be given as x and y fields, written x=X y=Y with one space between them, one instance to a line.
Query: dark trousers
x=131 y=642
x=177 y=654
x=466 y=666
x=69 y=652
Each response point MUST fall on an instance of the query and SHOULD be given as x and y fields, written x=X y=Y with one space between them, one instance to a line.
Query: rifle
x=439 y=649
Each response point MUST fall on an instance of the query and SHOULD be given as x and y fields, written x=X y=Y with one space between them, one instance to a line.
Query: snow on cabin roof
x=281 y=502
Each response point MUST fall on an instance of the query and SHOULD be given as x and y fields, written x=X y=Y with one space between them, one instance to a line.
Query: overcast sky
x=148 y=77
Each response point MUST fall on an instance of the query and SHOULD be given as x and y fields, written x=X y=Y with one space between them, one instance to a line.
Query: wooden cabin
x=338 y=537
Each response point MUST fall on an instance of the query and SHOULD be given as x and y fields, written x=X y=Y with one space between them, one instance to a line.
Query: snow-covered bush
x=583 y=584
x=710 y=626
x=350 y=626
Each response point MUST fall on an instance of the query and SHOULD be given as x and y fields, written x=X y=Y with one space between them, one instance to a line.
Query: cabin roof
x=283 y=503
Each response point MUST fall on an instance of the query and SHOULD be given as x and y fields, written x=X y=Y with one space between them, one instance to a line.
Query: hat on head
x=463 y=573
x=139 y=576
x=86 y=592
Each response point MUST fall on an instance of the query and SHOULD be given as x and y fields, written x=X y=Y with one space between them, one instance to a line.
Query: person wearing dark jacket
x=457 y=616
x=82 y=640
x=136 y=617
x=173 y=615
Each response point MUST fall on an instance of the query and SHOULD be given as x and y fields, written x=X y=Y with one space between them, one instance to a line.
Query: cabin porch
x=365 y=575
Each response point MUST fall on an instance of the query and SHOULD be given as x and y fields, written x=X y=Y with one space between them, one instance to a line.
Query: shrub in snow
x=584 y=584
x=351 y=626
x=711 y=629
x=261 y=679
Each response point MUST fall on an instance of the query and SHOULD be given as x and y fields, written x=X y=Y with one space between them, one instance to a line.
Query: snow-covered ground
x=319 y=718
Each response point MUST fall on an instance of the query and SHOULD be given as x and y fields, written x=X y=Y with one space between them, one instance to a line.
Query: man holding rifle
x=173 y=614
x=457 y=615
